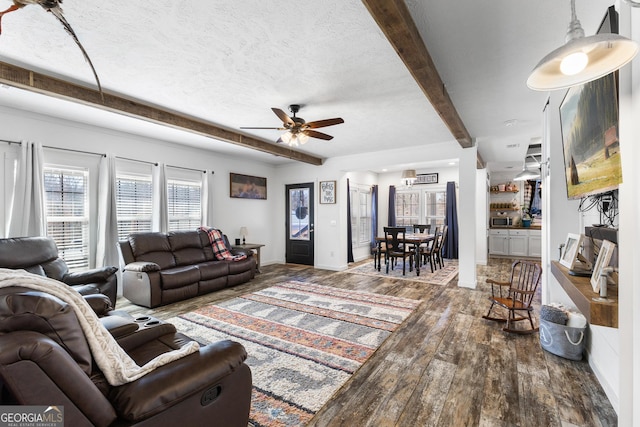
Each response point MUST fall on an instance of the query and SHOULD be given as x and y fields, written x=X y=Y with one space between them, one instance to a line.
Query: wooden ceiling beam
x=395 y=21
x=33 y=81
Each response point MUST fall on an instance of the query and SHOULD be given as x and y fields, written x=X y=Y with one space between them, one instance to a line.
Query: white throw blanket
x=116 y=365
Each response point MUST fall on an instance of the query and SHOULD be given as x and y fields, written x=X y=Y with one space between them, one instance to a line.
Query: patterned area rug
x=440 y=276
x=304 y=341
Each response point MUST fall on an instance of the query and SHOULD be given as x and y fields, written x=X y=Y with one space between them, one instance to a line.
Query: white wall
x=629 y=236
x=467 y=217
x=229 y=214
x=482 y=221
x=561 y=216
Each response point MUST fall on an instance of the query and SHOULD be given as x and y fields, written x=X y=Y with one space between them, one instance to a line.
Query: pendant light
x=526 y=173
x=581 y=59
x=409 y=176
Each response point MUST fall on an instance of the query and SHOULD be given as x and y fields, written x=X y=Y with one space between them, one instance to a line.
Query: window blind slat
x=67 y=208
x=184 y=200
x=134 y=204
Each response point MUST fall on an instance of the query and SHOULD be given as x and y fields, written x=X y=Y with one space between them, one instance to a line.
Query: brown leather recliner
x=45 y=360
x=39 y=255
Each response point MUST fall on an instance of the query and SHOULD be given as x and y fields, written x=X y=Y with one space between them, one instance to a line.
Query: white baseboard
x=612 y=394
x=471 y=285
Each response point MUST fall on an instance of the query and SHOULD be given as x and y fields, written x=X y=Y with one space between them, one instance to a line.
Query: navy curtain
x=349 y=233
x=392 y=206
x=374 y=216
x=451 y=220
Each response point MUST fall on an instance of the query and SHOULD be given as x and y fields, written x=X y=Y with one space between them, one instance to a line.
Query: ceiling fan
x=299 y=131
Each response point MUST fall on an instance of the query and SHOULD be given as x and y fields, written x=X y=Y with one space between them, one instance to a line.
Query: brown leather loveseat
x=45 y=360
x=39 y=255
x=161 y=268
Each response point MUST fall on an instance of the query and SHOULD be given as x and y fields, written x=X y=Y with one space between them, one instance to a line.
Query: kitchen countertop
x=517 y=227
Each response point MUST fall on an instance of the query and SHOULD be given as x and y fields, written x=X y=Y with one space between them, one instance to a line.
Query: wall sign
x=327 y=192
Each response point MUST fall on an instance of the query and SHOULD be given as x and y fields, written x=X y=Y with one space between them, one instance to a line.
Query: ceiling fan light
x=287 y=138
x=604 y=54
x=302 y=137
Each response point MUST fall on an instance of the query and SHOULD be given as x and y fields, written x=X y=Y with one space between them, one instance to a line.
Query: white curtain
x=27 y=215
x=106 y=250
x=160 y=209
x=207 y=198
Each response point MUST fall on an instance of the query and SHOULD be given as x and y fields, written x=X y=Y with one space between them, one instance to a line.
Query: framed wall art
x=604 y=258
x=427 y=178
x=327 y=192
x=247 y=187
x=571 y=249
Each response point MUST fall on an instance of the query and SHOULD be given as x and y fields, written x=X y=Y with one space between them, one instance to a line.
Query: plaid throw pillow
x=220 y=249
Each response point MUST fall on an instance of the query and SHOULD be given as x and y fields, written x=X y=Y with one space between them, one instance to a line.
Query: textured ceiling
x=230 y=62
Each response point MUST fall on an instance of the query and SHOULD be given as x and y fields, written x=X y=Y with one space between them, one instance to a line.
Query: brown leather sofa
x=45 y=360
x=39 y=255
x=161 y=268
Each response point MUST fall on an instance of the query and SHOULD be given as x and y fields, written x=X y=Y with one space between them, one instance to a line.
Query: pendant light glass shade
x=581 y=59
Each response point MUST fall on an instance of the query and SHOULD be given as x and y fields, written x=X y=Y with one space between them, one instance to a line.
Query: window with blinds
x=134 y=204
x=407 y=208
x=360 y=215
x=67 y=210
x=184 y=200
x=435 y=208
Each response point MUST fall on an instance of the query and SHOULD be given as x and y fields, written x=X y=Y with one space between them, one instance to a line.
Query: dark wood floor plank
x=464 y=401
x=426 y=403
x=501 y=398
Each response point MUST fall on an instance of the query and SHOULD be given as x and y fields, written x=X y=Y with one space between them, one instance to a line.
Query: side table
x=249 y=246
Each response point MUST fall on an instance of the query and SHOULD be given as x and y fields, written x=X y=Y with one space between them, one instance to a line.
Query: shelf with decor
x=504 y=191
x=504 y=209
x=602 y=313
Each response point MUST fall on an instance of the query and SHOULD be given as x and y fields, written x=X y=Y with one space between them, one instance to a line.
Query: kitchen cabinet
x=518 y=242
x=535 y=243
x=498 y=242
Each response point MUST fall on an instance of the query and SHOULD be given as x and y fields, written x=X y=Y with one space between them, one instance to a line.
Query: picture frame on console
x=603 y=260
x=247 y=186
x=571 y=248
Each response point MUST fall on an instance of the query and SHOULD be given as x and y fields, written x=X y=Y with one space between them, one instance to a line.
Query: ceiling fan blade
x=323 y=123
x=316 y=134
x=245 y=127
x=283 y=116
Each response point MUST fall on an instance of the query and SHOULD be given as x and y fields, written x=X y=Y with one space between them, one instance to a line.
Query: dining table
x=415 y=239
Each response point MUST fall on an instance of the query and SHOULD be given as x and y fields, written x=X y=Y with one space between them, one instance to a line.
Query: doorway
x=299 y=214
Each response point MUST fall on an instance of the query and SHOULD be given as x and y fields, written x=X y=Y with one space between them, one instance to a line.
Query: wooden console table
x=581 y=293
x=249 y=246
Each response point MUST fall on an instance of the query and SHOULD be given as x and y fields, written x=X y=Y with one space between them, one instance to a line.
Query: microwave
x=501 y=221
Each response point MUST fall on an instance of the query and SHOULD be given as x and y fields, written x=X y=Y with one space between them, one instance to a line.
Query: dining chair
x=516 y=295
x=421 y=228
x=382 y=248
x=396 y=248
x=427 y=249
x=437 y=254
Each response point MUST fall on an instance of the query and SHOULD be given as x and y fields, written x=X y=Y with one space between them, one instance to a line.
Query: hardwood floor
x=445 y=366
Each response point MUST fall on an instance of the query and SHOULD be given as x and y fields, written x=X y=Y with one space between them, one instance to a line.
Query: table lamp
x=243 y=234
